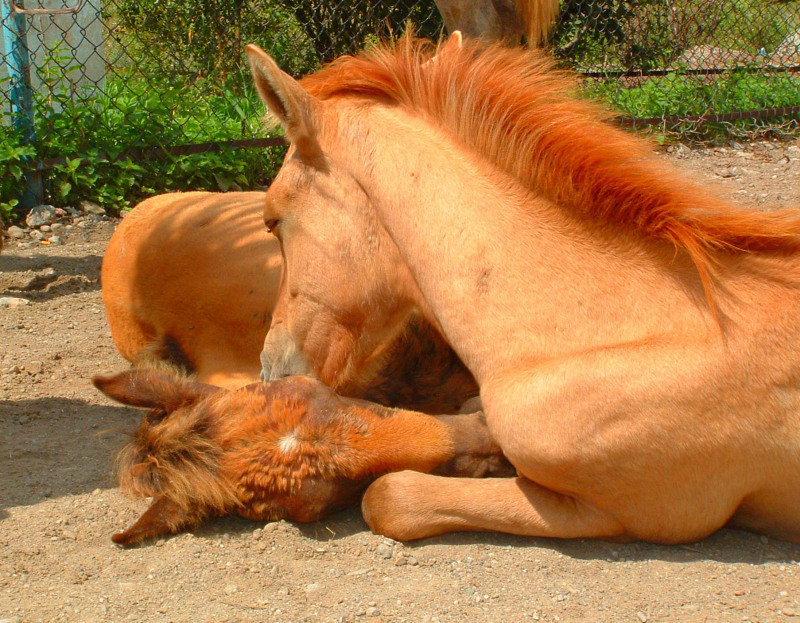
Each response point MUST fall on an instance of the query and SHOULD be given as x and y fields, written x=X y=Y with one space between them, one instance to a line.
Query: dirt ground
x=59 y=506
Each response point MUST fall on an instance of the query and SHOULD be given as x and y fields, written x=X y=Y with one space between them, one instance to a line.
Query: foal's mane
x=513 y=107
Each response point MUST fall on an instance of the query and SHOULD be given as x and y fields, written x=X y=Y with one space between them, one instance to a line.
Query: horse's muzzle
x=281 y=357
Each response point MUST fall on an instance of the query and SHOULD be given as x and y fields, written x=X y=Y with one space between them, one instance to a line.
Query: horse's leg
x=457 y=445
x=410 y=505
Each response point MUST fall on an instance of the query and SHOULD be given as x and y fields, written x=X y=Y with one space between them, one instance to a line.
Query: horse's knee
x=542 y=447
x=390 y=505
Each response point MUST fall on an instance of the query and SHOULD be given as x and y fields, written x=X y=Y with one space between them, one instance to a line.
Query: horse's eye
x=271 y=224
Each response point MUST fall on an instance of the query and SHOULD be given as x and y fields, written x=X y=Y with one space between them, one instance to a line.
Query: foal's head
x=290 y=449
x=346 y=291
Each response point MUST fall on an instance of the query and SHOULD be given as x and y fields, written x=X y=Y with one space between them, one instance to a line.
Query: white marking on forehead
x=287 y=442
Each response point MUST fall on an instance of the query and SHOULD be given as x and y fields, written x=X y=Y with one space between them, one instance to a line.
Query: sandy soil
x=59 y=506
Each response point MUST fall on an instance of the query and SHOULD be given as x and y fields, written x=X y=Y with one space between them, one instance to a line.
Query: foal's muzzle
x=281 y=357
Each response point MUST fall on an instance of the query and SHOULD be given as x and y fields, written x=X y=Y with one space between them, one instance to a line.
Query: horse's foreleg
x=455 y=445
x=410 y=505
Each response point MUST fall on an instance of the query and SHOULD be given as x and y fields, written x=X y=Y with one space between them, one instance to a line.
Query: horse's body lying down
x=636 y=339
x=192 y=279
x=288 y=449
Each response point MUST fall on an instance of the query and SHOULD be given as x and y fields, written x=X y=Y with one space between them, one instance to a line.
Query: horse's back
x=197 y=270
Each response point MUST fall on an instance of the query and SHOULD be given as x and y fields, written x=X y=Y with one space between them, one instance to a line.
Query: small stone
x=401 y=561
x=97 y=492
x=372 y=611
x=413 y=561
x=56 y=226
x=641 y=616
x=41 y=215
x=15 y=232
x=10 y=620
x=230 y=589
x=56 y=240
x=10 y=302
x=44 y=228
x=384 y=551
x=788 y=612
x=34 y=367
x=92 y=208
x=311 y=588
x=36 y=235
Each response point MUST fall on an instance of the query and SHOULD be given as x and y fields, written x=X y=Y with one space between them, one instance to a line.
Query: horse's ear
x=456 y=39
x=153 y=389
x=163 y=517
x=289 y=102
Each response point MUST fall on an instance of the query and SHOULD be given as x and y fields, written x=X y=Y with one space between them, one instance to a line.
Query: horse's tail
x=538 y=19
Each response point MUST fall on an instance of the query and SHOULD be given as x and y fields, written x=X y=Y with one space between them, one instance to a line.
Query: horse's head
x=345 y=290
x=267 y=451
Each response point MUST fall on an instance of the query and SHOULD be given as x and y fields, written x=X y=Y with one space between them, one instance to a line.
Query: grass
x=677 y=94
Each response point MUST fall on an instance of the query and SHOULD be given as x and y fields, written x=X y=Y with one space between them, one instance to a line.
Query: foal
x=289 y=449
x=635 y=338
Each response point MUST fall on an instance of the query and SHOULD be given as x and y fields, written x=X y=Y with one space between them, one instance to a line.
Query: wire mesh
x=150 y=77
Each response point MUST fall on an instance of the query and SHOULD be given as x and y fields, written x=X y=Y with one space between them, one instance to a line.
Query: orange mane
x=513 y=107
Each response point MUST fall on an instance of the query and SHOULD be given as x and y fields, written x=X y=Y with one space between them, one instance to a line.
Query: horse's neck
x=509 y=277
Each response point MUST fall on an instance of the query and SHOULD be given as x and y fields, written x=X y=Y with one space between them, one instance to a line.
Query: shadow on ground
x=50 y=447
x=30 y=277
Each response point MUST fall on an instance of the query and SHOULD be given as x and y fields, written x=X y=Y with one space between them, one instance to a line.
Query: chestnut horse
x=635 y=338
x=192 y=278
x=289 y=449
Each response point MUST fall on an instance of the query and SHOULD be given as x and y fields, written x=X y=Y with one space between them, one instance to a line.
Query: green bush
x=677 y=94
x=13 y=156
x=92 y=134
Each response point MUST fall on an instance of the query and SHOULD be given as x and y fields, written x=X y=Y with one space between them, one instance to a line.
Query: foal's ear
x=293 y=106
x=456 y=39
x=152 y=389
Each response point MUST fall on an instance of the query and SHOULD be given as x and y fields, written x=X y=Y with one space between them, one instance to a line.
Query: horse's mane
x=515 y=108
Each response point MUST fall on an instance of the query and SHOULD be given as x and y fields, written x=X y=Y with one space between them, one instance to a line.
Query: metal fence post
x=21 y=93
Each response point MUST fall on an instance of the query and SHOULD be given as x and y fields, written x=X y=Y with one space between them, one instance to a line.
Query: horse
x=288 y=449
x=634 y=336
x=191 y=279
x=501 y=20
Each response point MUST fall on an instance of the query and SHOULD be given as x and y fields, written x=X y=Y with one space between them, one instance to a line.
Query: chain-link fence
x=681 y=63
x=142 y=82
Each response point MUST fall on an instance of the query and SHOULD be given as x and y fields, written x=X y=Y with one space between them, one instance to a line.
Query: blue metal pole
x=15 y=38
